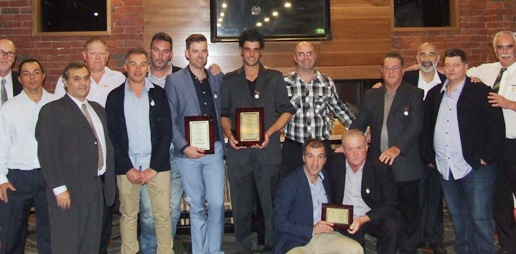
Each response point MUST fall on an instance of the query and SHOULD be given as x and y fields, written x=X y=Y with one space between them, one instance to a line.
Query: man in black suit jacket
x=394 y=113
x=462 y=138
x=431 y=197
x=76 y=158
x=8 y=78
x=370 y=188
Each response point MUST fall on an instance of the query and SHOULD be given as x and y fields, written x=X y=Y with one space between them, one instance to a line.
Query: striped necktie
x=100 y=162
x=496 y=85
x=3 y=91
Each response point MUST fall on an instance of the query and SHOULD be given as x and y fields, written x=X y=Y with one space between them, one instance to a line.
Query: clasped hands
x=140 y=177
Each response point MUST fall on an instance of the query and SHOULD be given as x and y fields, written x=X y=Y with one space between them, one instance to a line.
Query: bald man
x=313 y=95
x=9 y=84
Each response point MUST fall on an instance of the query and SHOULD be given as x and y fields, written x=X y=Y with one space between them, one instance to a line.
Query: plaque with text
x=340 y=215
x=199 y=131
x=249 y=126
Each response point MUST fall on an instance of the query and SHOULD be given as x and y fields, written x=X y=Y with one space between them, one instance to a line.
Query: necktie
x=3 y=92
x=496 y=85
x=99 y=147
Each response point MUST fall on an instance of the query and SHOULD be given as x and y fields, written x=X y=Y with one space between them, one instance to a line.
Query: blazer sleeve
x=48 y=134
x=427 y=151
x=283 y=104
x=174 y=102
x=495 y=127
x=161 y=142
x=284 y=203
x=363 y=118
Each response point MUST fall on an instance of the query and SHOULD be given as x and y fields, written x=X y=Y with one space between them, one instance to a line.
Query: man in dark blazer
x=253 y=86
x=76 y=158
x=372 y=192
x=431 y=195
x=394 y=113
x=140 y=128
x=462 y=138
x=8 y=79
x=298 y=227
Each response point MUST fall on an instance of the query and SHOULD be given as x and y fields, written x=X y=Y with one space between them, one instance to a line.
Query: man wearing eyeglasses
x=313 y=95
x=9 y=86
x=395 y=114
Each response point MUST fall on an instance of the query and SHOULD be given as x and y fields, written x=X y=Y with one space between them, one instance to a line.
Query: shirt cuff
x=3 y=179
x=59 y=190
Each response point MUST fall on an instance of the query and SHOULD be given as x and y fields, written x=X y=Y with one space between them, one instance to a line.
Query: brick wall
x=479 y=21
x=55 y=52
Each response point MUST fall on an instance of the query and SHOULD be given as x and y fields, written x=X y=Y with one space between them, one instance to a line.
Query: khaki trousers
x=329 y=243
x=159 y=194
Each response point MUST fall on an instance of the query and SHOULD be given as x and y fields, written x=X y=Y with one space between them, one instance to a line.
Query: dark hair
x=74 y=66
x=394 y=55
x=30 y=60
x=136 y=51
x=456 y=52
x=194 y=38
x=252 y=35
x=314 y=143
x=161 y=36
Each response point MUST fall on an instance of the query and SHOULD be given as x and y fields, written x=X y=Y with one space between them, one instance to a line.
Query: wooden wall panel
x=361 y=37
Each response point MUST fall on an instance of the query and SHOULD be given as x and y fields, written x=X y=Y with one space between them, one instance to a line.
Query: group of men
x=61 y=152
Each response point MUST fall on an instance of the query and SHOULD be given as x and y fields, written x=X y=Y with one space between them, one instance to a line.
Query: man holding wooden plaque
x=300 y=206
x=371 y=190
x=255 y=107
x=194 y=98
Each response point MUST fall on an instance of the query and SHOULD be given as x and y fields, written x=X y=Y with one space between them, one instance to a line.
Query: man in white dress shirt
x=22 y=184
x=501 y=76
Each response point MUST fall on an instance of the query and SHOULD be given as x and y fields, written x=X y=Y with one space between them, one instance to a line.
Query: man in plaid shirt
x=313 y=95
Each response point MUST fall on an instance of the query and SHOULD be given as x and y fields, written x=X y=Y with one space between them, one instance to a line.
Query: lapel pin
x=367 y=190
x=256 y=95
x=152 y=103
x=215 y=95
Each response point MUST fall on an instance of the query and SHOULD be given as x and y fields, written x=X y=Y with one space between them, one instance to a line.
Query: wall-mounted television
x=276 y=19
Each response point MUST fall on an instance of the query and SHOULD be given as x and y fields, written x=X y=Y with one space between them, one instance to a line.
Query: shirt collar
x=348 y=168
x=458 y=88
x=148 y=85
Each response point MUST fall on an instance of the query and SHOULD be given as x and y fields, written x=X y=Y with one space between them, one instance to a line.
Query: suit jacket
x=293 y=211
x=404 y=124
x=160 y=129
x=67 y=151
x=272 y=96
x=17 y=86
x=183 y=101
x=378 y=186
x=481 y=126
x=412 y=77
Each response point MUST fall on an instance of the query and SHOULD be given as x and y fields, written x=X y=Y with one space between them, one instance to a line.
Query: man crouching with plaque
x=370 y=189
x=298 y=209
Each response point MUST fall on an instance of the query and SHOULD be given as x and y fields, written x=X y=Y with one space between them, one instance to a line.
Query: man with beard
x=431 y=197
x=501 y=76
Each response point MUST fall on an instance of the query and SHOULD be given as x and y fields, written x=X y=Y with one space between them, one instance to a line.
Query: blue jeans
x=203 y=181
x=148 y=233
x=469 y=201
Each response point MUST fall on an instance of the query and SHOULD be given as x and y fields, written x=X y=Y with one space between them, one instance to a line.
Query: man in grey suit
x=255 y=168
x=76 y=158
x=395 y=114
x=194 y=91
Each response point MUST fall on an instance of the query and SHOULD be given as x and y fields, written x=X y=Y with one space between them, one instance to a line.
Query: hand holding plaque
x=340 y=215
x=249 y=126
x=199 y=131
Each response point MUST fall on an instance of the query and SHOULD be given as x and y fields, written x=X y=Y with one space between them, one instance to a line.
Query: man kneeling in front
x=298 y=206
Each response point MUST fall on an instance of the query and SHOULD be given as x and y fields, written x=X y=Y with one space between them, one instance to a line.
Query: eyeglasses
x=8 y=53
x=391 y=68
